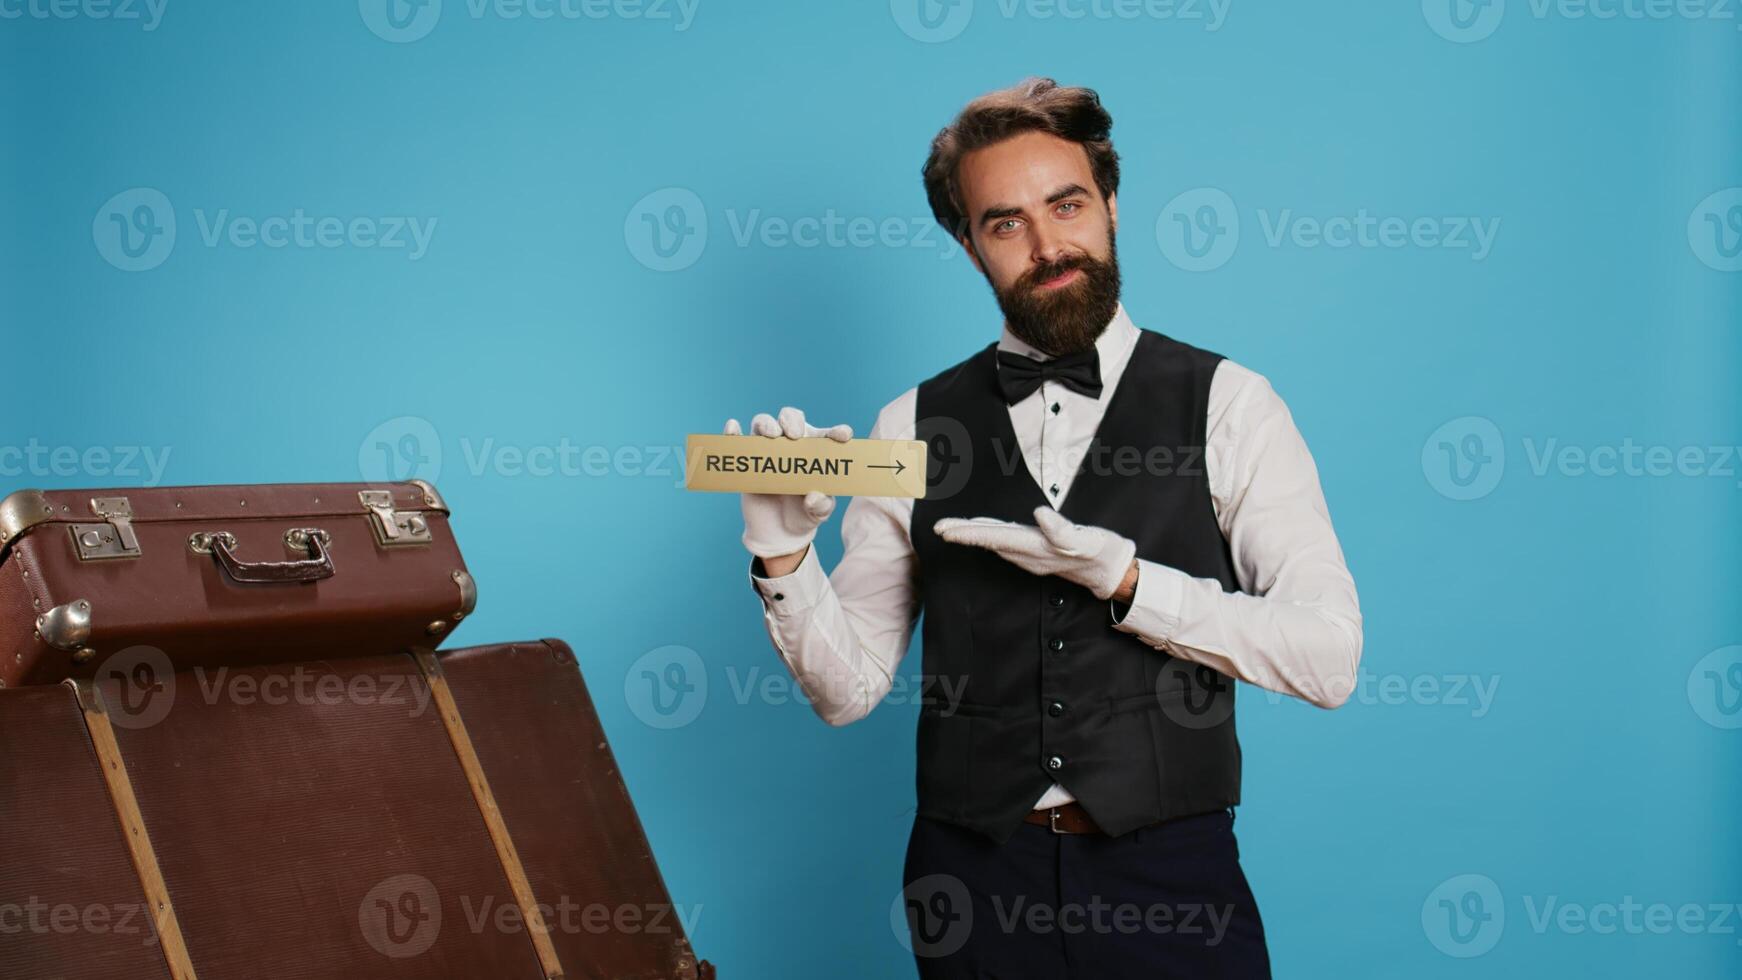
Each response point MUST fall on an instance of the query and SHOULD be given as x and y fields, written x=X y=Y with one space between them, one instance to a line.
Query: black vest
x=1026 y=681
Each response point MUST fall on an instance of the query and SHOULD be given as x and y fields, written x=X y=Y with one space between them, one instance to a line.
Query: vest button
x=1056 y=708
x=1055 y=763
x=1057 y=645
x=1056 y=601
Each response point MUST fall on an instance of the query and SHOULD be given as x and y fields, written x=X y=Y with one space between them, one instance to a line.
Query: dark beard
x=1068 y=319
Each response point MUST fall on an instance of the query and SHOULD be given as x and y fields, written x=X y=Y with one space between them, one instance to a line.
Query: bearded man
x=1117 y=526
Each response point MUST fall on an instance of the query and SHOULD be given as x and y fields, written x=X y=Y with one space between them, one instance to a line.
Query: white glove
x=778 y=524
x=1093 y=557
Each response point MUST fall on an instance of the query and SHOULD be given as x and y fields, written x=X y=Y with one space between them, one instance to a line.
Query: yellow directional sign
x=758 y=464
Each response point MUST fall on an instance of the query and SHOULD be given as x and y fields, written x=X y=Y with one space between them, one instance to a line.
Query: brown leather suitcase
x=455 y=815
x=223 y=575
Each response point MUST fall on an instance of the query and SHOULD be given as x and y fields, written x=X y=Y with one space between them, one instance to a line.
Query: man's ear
x=1113 y=210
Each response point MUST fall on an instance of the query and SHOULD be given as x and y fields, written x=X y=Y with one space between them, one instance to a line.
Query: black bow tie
x=1019 y=376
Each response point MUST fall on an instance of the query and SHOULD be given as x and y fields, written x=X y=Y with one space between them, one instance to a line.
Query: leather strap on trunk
x=175 y=951
x=505 y=852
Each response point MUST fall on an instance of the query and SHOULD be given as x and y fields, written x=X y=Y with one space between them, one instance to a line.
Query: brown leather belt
x=1068 y=819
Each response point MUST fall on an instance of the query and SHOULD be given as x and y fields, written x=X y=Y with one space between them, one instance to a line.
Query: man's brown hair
x=1072 y=113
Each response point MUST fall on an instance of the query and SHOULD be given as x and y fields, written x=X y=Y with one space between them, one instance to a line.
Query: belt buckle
x=1052 y=820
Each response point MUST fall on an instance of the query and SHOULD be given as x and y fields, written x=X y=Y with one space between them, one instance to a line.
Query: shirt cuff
x=1154 y=613
x=794 y=592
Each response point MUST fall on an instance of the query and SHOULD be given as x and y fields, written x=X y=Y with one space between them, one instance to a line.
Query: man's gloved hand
x=1093 y=557
x=777 y=524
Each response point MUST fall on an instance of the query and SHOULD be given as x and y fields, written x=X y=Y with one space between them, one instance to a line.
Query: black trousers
x=1163 y=901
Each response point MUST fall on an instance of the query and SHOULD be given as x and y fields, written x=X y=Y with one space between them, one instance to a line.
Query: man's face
x=1043 y=236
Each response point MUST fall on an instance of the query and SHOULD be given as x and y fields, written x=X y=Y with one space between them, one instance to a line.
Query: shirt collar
x=1116 y=338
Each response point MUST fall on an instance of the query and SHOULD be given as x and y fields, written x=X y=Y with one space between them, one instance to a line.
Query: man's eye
x=1006 y=225
x=1069 y=204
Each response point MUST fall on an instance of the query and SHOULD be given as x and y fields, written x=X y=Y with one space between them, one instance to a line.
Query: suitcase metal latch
x=113 y=539
x=393 y=528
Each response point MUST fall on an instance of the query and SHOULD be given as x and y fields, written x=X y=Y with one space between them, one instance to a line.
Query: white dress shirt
x=1294 y=628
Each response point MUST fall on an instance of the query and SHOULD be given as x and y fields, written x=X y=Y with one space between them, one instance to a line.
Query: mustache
x=1052 y=270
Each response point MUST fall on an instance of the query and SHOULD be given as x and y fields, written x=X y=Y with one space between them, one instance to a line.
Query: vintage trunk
x=411 y=815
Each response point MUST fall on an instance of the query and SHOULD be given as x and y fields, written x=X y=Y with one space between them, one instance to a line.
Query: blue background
x=538 y=317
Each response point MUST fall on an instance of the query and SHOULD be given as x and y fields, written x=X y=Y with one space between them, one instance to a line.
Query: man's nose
x=1047 y=246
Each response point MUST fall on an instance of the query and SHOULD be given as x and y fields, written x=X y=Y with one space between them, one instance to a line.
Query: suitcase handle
x=317 y=566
